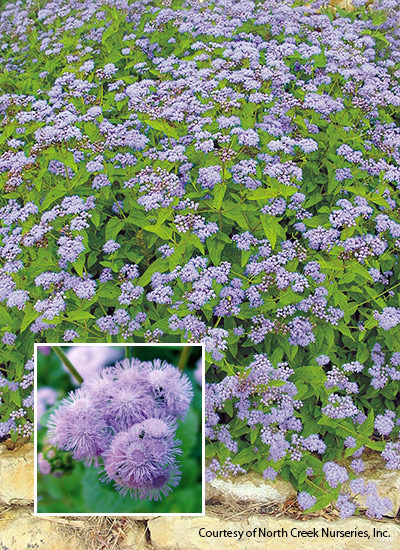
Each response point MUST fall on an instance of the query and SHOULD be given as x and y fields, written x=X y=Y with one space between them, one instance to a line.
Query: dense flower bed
x=224 y=172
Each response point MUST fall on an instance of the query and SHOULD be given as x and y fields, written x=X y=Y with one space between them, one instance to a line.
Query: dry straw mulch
x=99 y=532
x=232 y=510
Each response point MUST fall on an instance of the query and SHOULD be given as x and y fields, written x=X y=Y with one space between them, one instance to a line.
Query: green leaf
x=245 y=456
x=161 y=125
x=159 y=265
x=215 y=246
x=245 y=257
x=194 y=240
x=271 y=229
x=79 y=315
x=219 y=193
x=323 y=499
x=187 y=431
x=113 y=227
x=29 y=316
x=15 y=397
x=367 y=427
x=5 y=318
x=95 y=218
x=228 y=406
x=209 y=451
x=254 y=434
x=7 y=132
x=162 y=231
x=79 y=264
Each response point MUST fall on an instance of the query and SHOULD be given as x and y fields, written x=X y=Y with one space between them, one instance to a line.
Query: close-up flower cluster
x=128 y=438
x=224 y=172
x=125 y=418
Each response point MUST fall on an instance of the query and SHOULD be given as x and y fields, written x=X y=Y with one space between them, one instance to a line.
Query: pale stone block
x=16 y=475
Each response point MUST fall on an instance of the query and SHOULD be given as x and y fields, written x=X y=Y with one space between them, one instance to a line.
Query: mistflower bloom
x=109 y=69
x=43 y=464
x=159 y=427
x=127 y=404
x=70 y=248
x=384 y=423
x=357 y=465
x=166 y=250
x=77 y=426
x=245 y=240
x=389 y=318
x=110 y=246
x=9 y=338
x=270 y=473
x=162 y=483
x=350 y=442
x=70 y=335
x=334 y=474
x=305 y=500
x=391 y=454
x=101 y=180
x=209 y=176
x=125 y=417
x=301 y=332
x=377 y=506
x=346 y=506
x=171 y=388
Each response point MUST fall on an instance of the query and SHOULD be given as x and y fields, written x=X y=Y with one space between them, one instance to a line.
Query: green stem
x=217 y=322
x=316 y=486
x=183 y=359
x=127 y=352
x=68 y=363
x=381 y=294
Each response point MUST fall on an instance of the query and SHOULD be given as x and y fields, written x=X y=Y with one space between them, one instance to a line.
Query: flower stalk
x=67 y=363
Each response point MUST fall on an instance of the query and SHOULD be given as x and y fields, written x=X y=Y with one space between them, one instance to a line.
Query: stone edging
x=20 y=530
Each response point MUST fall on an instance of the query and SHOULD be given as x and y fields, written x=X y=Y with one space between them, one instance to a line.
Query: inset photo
x=119 y=429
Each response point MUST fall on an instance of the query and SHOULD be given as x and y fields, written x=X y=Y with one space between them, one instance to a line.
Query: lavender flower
x=9 y=338
x=389 y=318
x=270 y=473
x=43 y=465
x=125 y=417
x=384 y=423
x=306 y=500
x=334 y=474
x=346 y=506
x=110 y=246
x=78 y=427
x=209 y=176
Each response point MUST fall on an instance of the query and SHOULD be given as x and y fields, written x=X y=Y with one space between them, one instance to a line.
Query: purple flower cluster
x=306 y=500
x=125 y=419
x=389 y=318
x=334 y=474
x=20 y=421
x=265 y=399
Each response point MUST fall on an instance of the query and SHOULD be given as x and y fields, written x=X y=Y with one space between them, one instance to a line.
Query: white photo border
x=127 y=514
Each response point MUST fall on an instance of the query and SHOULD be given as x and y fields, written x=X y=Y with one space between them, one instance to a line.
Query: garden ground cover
x=219 y=172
